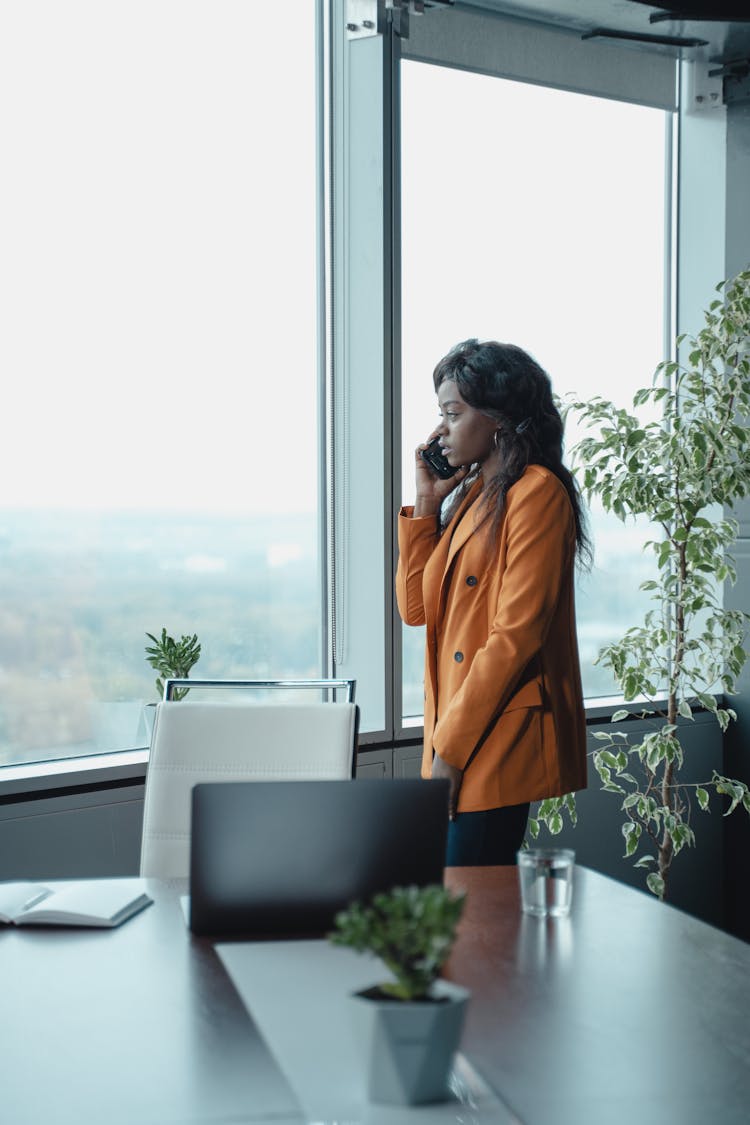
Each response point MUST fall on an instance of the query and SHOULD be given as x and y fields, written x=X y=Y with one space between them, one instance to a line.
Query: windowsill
x=601 y=708
x=101 y=770
x=32 y=778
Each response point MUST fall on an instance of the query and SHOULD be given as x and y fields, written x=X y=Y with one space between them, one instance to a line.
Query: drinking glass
x=546 y=879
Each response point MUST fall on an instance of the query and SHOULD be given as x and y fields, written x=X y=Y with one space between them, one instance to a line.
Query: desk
x=141 y=1026
x=628 y=1011
x=133 y=1026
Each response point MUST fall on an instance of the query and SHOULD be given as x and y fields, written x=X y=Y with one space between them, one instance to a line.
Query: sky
x=157 y=274
x=535 y=217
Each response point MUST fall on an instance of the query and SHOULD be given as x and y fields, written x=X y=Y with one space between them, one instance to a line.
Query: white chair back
x=238 y=741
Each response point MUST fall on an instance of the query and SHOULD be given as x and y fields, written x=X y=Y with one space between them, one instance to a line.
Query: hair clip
x=522 y=427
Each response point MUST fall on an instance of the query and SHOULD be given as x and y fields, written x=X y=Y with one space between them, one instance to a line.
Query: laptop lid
x=282 y=857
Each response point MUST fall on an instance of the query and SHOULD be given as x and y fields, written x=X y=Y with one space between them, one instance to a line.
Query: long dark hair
x=506 y=384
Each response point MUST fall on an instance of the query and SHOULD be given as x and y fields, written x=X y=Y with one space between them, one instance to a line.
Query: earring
x=494 y=439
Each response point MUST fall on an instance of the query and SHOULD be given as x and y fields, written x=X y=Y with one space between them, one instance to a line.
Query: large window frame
x=491 y=43
x=359 y=331
x=140 y=137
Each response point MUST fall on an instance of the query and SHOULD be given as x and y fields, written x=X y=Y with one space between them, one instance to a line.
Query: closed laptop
x=282 y=857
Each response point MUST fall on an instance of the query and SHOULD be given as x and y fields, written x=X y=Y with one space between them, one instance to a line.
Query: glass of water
x=546 y=879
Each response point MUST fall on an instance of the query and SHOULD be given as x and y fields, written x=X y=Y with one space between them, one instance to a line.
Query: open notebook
x=88 y=902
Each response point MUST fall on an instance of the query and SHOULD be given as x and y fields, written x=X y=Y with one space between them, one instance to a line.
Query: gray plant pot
x=408 y=1046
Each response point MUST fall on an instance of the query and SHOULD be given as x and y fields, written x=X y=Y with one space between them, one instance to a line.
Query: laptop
x=280 y=858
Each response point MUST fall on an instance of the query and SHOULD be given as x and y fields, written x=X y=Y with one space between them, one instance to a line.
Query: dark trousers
x=483 y=839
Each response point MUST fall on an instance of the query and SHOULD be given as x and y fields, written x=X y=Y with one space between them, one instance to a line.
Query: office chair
x=236 y=741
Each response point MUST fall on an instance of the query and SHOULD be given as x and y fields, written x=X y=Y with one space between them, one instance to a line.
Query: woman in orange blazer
x=490 y=572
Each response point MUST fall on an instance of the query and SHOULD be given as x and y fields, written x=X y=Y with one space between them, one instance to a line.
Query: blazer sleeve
x=417 y=539
x=540 y=549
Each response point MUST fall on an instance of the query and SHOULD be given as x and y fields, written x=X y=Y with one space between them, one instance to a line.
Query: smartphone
x=436 y=461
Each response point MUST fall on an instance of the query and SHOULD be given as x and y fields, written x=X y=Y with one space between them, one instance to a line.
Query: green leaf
x=655 y=884
x=632 y=834
x=412 y=929
x=735 y=790
x=619 y=715
x=604 y=772
x=702 y=796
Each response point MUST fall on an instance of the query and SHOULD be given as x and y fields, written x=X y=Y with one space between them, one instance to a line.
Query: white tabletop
x=298 y=993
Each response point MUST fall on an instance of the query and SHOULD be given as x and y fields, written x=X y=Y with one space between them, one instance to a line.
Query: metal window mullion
x=338 y=493
x=395 y=679
x=324 y=306
x=332 y=320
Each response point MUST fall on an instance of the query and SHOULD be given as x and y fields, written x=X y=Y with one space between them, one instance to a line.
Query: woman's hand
x=455 y=776
x=432 y=489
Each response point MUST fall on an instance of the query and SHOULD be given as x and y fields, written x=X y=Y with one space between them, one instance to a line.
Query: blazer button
x=458 y=657
x=472 y=580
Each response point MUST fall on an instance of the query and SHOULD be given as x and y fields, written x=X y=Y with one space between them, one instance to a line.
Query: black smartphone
x=436 y=461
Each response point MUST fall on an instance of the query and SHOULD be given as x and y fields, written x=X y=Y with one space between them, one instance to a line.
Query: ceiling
x=721 y=37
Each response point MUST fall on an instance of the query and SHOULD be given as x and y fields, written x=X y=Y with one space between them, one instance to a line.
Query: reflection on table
x=628 y=1010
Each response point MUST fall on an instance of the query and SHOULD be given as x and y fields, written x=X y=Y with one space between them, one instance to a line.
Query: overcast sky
x=157 y=274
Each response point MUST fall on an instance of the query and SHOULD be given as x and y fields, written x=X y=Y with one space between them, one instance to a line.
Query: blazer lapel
x=461 y=528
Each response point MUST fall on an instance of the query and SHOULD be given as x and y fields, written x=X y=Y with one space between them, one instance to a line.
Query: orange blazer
x=503 y=698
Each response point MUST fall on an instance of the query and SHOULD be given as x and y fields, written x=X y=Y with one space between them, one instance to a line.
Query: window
x=157 y=213
x=158 y=218
x=534 y=216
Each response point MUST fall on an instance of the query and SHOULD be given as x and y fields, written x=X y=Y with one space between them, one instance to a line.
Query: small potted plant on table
x=410 y=1026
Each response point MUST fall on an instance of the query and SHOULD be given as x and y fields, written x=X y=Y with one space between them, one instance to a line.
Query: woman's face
x=466 y=435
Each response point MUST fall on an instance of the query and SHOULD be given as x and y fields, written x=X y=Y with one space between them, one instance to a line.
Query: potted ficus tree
x=410 y=1026
x=684 y=470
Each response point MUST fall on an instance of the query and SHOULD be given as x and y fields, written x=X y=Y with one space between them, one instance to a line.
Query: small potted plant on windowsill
x=173 y=660
x=410 y=1027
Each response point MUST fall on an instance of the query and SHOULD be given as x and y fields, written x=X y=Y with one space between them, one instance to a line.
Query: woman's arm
x=417 y=538
x=418 y=533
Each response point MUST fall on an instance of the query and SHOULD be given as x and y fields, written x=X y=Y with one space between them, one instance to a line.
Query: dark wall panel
x=72 y=836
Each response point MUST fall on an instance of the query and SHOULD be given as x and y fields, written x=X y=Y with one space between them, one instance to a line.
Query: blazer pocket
x=526 y=698
x=530 y=695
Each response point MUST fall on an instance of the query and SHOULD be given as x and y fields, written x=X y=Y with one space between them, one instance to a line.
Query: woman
x=490 y=573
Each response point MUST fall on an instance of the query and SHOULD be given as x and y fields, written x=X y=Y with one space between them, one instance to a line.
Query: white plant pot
x=408 y=1046
x=146 y=727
